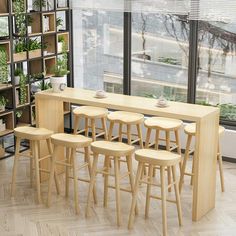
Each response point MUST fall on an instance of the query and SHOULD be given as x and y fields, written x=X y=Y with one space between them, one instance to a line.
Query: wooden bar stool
x=71 y=143
x=128 y=119
x=91 y=114
x=163 y=159
x=111 y=151
x=167 y=125
x=34 y=135
x=190 y=130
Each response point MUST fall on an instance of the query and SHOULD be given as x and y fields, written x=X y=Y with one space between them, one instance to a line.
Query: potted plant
x=61 y=42
x=59 y=24
x=30 y=22
x=34 y=47
x=3 y=67
x=17 y=73
x=18 y=115
x=3 y=102
x=59 y=80
x=20 y=51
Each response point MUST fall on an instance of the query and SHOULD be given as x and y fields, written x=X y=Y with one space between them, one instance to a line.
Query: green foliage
x=37 y=76
x=30 y=19
x=61 y=67
x=38 y=4
x=3 y=66
x=33 y=44
x=19 y=8
x=19 y=113
x=59 y=22
x=23 y=89
x=20 y=46
x=228 y=111
x=3 y=101
x=61 y=39
x=44 y=85
x=18 y=71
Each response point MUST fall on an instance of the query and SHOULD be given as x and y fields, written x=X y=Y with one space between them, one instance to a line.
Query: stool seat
x=71 y=140
x=112 y=148
x=126 y=117
x=155 y=157
x=163 y=123
x=32 y=133
x=90 y=112
x=191 y=129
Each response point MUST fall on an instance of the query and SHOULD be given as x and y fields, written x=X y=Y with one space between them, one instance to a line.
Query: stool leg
x=106 y=180
x=117 y=185
x=87 y=159
x=157 y=139
x=37 y=173
x=31 y=165
x=131 y=177
x=135 y=195
x=93 y=129
x=74 y=165
x=148 y=193
x=55 y=172
x=76 y=124
x=148 y=137
x=163 y=198
x=110 y=130
x=186 y=156
x=17 y=151
x=168 y=149
x=86 y=127
x=92 y=183
x=140 y=136
x=52 y=174
x=104 y=127
x=219 y=157
x=193 y=170
x=129 y=134
x=68 y=153
x=120 y=132
x=177 y=197
x=178 y=144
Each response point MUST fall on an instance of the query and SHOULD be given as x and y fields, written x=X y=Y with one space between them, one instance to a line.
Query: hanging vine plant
x=23 y=89
x=3 y=66
x=20 y=19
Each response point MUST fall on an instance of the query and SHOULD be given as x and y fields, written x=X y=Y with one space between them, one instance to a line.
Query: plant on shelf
x=19 y=10
x=3 y=102
x=20 y=50
x=60 y=70
x=17 y=73
x=23 y=89
x=36 y=76
x=61 y=43
x=33 y=44
x=29 y=22
x=38 y=5
x=59 y=23
x=3 y=66
x=18 y=115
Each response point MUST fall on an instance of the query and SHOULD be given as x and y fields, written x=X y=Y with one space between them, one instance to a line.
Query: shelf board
x=4 y=14
x=4 y=86
x=34 y=34
x=6 y=132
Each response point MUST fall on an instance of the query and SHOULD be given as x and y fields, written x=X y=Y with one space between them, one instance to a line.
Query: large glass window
x=216 y=80
x=98 y=50
x=160 y=46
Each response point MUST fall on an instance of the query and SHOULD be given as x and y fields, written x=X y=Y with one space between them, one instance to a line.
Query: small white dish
x=162 y=105
x=100 y=94
x=162 y=102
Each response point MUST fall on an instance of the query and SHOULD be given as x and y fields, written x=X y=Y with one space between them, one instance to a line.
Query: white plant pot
x=2 y=108
x=17 y=79
x=59 y=46
x=29 y=29
x=58 y=83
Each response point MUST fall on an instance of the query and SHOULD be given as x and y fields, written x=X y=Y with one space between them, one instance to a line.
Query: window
x=160 y=55
x=216 y=80
x=98 y=50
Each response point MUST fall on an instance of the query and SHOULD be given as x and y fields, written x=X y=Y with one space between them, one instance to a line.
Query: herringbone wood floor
x=22 y=216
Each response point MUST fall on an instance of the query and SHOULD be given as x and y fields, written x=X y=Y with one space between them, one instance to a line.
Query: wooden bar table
x=50 y=114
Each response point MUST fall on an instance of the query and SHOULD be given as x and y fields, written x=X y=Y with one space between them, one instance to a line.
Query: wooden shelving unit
x=36 y=62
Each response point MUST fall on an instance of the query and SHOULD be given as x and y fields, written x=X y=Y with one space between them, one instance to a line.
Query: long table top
x=147 y=106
